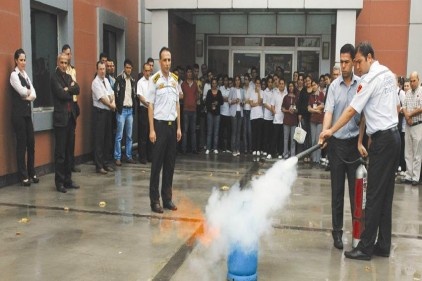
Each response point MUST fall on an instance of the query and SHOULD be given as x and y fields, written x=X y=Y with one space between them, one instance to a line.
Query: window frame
x=43 y=117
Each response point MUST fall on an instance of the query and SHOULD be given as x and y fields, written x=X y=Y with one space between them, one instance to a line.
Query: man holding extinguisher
x=343 y=145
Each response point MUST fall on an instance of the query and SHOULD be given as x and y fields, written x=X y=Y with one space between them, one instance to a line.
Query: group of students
x=259 y=115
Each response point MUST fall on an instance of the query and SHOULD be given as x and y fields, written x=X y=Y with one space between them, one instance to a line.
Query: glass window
x=218 y=61
x=279 y=41
x=243 y=62
x=110 y=43
x=246 y=41
x=308 y=62
x=218 y=41
x=44 y=54
x=309 y=42
x=273 y=61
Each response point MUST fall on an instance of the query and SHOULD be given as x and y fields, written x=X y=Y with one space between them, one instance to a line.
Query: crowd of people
x=361 y=109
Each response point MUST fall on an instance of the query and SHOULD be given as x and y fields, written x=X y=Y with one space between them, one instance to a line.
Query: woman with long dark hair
x=213 y=102
x=23 y=93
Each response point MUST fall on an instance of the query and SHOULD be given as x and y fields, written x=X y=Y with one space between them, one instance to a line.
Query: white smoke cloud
x=240 y=217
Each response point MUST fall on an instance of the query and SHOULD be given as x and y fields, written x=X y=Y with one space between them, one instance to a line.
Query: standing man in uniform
x=164 y=131
x=144 y=147
x=343 y=145
x=63 y=88
x=412 y=109
x=377 y=98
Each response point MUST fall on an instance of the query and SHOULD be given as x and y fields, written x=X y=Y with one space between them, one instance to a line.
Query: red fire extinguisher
x=360 y=203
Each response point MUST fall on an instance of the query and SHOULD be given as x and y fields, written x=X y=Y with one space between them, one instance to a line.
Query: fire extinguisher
x=360 y=202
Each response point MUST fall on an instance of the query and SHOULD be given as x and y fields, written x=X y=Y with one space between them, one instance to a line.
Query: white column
x=159 y=33
x=414 y=54
x=345 y=30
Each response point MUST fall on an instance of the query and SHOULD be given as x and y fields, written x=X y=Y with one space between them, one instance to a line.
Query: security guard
x=164 y=133
x=377 y=98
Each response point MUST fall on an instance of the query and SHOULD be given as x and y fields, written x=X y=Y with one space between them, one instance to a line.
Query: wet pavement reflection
x=106 y=231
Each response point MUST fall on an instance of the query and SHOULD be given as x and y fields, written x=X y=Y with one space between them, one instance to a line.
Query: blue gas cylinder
x=242 y=265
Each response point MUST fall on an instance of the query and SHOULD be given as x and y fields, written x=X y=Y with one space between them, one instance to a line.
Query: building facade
x=229 y=36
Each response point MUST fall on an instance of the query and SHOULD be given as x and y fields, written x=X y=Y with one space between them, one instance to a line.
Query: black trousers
x=256 y=130
x=102 y=137
x=163 y=157
x=341 y=151
x=144 y=144
x=267 y=136
x=62 y=153
x=72 y=152
x=384 y=156
x=25 y=144
x=277 y=141
x=225 y=132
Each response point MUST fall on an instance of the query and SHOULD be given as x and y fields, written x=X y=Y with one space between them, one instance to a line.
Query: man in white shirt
x=144 y=145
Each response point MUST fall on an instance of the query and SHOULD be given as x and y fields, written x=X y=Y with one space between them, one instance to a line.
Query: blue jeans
x=213 y=125
x=124 y=121
x=236 y=125
x=189 y=124
x=247 y=136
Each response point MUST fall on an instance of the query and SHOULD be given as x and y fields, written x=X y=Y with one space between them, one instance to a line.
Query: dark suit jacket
x=62 y=99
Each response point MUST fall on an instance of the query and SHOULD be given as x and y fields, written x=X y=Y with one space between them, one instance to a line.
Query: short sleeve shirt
x=339 y=96
x=377 y=98
x=163 y=93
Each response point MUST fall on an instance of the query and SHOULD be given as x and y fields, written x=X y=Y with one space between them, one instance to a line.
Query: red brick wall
x=385 y=23
x=85 y=57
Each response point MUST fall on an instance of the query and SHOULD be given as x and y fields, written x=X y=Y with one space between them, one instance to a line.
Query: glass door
x=279 y=62
x=244 y=61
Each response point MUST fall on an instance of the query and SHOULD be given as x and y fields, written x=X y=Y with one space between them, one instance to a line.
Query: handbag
x=300 y=134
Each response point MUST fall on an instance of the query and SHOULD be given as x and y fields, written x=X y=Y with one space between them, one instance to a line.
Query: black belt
x=416 y=123
x=383 y=132
x=168 y=122
x=100 y=109
x=352 y=139
x=127 y=107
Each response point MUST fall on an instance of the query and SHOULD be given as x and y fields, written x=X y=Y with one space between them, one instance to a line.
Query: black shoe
x=35 y=179
x=156 y=208
x=356 y=254
x=130 y=161
x=61 y=189
x=108 y=169
x=380 y=252
x=26 y=182
x=101 y=171
x=195 y=152
x=406 y=181
x=143 y=161
x=72 y=185
x=338 y=243
x=76 y=170
x=170 y=205
x=415 y=183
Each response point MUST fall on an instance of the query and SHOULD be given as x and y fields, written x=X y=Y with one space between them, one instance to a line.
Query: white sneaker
x=207 y=151
x=234 y=154
x=280 y=157
x=265 y=154
x=254 y=153
x=402 y=173
x=269 y=156
x=258 y=153
x=215 y=151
